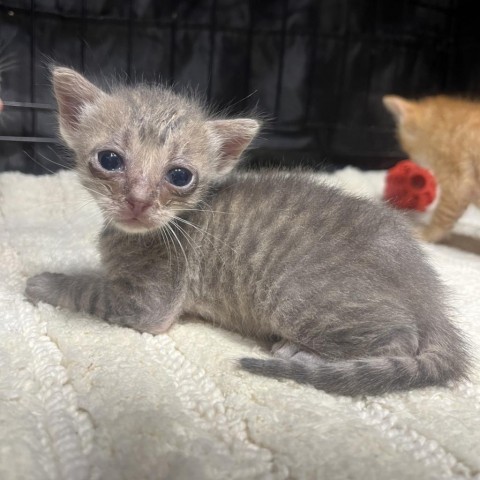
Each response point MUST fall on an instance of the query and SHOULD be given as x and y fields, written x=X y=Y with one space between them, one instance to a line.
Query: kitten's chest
x=215 y=292
x=220 y=284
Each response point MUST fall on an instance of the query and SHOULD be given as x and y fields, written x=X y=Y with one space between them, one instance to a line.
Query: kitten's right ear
x=73 y=92
x=398 y=106
x=232 y=138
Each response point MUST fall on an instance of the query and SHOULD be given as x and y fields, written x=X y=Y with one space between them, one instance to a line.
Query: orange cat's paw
x=429 y=234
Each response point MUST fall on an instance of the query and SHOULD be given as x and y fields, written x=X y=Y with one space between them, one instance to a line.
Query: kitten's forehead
x=155 y=113
x=159 y=125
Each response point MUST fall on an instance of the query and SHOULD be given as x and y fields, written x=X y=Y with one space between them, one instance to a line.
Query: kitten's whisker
x=107 y=222
x=228 y=213
x=101 y=194
x=168 y=233
x=61 y=165
x=215 y=248
x=88 y=202
x=178 y=241
x=172 y=246
x=37 y=162
x=161 y=233
x=207 y=233
x=205 y=210
x=204 y=232
x=52 y=172
x=92 y=215
x=71 y=168
x=189 y=239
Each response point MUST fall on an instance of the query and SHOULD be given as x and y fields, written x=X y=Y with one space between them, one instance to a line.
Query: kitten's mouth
x=133 y=225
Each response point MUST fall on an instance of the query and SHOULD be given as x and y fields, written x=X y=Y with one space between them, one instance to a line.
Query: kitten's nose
x=137 y=206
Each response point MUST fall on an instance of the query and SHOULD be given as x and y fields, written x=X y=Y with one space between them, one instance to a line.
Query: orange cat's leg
x=476 y=201
x=454 y=200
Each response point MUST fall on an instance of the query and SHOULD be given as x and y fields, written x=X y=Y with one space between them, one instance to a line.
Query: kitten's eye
x=179 y=177
x=110 y=161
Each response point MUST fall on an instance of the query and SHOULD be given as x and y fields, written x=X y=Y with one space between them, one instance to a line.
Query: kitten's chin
x=134 y=226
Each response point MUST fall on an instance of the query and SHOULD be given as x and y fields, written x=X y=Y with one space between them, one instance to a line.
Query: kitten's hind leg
x=284 y=349
x=291 y=351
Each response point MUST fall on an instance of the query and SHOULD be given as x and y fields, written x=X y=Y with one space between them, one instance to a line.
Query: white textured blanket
x=82 y=399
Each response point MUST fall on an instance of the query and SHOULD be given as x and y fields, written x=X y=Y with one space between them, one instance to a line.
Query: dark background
x=317 y=68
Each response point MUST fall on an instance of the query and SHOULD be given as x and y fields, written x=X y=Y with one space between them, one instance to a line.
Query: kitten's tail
x=367 y=376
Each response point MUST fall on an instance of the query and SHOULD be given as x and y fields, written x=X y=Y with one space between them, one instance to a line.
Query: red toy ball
x=409 y=186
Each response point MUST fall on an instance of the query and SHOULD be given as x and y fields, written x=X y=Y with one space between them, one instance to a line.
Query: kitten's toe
x=41 y=287
x=284 y=349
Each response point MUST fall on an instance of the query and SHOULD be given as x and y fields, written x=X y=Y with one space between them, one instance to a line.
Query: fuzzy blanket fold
x=81 y=399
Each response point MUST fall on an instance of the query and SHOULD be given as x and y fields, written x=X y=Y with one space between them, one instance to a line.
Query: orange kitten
x=443 y=134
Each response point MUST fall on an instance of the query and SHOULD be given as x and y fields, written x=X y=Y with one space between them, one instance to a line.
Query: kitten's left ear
x=398 y=106
x=232 y=138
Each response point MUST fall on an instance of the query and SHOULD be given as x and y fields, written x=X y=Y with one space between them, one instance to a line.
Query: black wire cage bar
x=316 y=69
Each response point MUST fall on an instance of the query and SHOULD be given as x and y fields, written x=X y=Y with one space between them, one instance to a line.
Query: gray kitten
x=335 y=281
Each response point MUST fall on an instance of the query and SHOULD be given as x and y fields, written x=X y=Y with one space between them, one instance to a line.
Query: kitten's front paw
x=44 y=287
